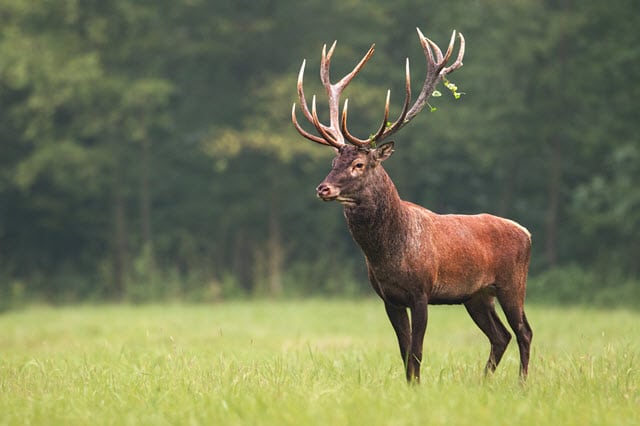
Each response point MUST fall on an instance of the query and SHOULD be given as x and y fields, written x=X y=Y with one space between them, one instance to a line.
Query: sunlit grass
x=307 y=362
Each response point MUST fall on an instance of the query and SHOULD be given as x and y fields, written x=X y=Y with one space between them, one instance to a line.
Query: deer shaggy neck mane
x=377 y=221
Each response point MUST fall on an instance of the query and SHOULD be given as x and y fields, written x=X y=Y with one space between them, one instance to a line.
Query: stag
x=414 y=256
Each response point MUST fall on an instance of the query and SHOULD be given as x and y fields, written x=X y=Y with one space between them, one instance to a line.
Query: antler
x=336 y=133
x=436 y=70
x=329 y=135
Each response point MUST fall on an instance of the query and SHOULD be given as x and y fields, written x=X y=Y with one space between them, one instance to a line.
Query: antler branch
x=436 y=69
x=331 y=134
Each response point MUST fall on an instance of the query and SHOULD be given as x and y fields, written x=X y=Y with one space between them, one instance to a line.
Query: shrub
x=571 y=284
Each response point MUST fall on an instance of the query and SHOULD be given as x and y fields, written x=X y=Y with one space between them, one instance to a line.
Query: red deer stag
x=416 y=257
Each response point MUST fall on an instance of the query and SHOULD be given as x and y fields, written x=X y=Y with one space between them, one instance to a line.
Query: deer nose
x=325 y=191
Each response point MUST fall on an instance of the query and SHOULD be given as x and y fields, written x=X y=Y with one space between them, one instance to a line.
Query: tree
x=140 y=140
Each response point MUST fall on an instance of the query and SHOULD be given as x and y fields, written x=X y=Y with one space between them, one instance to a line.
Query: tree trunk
x=555 y=141
x=508 y=188
x=553 y=204
x=145 y=194
x=275 y=251
x=120 y=244
x=145 y=212
x=243 y=262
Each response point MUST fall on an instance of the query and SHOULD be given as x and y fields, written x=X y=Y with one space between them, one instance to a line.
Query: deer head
x=352 y=173
x=358 y=159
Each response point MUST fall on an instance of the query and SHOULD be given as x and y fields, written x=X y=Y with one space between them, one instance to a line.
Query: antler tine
x=347 y=78
x=449 y=48
x=303 y=132
x=436 y=48
x=323 y=132
x=303 y=101
x=427 y=45
x=333 y=94
x=458 y=62
x=354 y=140
x=441 y=59
x=385 y=119
x=325 y=63
x=401 y=121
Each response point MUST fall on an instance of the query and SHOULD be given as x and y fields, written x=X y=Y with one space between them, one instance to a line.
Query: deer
x=415 y=257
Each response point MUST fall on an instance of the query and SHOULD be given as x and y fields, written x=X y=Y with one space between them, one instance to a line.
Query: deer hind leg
x=513 y=306
x=482 y=310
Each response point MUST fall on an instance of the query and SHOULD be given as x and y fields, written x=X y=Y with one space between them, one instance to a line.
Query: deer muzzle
x=327 y=191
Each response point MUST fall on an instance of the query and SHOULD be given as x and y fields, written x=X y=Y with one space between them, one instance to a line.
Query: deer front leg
x=418 y=328
x=400 y=323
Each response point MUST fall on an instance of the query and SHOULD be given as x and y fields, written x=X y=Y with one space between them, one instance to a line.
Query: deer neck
x=376 y=223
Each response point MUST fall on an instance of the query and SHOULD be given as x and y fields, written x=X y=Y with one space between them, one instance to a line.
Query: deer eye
x=359 y=166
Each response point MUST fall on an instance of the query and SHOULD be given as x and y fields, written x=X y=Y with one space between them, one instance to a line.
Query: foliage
x=573 y=285
x=307 y=362
x=148 y=143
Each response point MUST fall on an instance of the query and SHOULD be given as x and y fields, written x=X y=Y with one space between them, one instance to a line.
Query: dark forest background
x=147 y=153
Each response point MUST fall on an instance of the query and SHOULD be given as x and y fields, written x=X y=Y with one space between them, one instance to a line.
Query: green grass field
x=307 y=362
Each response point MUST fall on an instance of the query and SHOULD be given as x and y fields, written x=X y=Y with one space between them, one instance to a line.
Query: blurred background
x=147 y=153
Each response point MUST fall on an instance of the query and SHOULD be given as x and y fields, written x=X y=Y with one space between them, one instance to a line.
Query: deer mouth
x=339 y=198
x=346 y=201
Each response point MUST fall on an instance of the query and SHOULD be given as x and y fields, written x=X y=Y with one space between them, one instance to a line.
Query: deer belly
x=457 y=292
x=448 y=300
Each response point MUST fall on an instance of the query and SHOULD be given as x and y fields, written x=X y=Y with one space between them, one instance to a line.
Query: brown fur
x=416 y=257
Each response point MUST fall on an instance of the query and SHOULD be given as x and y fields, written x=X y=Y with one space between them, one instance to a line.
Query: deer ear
x=384 y=151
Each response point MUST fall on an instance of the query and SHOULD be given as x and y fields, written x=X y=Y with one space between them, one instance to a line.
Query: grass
x=305 y=363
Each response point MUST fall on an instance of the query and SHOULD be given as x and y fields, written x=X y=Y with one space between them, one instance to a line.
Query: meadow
x=311 y=362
